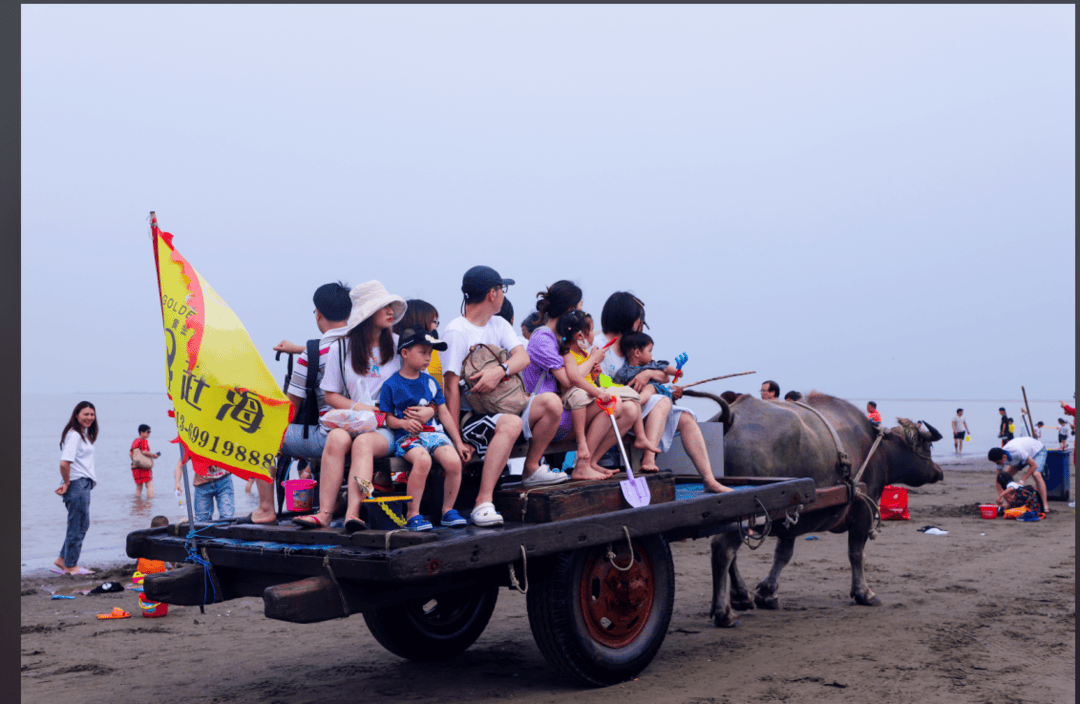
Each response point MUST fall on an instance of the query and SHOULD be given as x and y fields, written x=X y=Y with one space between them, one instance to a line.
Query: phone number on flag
x=228 y=448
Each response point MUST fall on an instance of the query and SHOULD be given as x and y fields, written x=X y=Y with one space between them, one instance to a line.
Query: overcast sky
x=869 y=201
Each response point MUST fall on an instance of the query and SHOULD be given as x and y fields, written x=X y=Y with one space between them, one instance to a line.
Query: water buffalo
x=782 y=439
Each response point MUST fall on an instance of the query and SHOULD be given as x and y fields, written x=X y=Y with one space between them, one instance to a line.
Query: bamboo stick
x=716 y=378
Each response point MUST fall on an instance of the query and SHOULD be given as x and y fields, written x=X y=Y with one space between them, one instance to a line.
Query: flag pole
x=183 y=459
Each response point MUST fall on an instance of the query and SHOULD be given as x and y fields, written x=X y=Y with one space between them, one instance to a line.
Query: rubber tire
x=405 y=630
x=561 y=634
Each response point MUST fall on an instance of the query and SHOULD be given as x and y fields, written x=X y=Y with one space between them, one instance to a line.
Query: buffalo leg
x=858 y=532
x=766 y=588
x=740 y=595
x=724 y=547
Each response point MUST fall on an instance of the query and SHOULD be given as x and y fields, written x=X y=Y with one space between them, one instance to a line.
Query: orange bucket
x=988 y=510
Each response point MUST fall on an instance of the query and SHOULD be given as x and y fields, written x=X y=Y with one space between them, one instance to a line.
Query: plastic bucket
x=988 y=511
x=387 y=512
x=152 y=609
x=299 y=494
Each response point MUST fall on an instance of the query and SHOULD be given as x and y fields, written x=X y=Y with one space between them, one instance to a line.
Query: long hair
x=360 y=345
x=74 y=424
x=560 y=297
x=417 y=313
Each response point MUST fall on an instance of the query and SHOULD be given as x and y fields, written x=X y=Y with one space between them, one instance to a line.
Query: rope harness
x=524 y=573
x=610 y=555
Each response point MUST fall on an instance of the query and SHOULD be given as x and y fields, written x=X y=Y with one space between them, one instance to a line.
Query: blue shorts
x=430 y=441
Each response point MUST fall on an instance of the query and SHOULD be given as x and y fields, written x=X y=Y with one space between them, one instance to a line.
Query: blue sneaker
x=453 y=519
x=418 y=523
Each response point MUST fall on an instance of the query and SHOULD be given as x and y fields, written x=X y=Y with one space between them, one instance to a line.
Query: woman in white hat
x=356 y=365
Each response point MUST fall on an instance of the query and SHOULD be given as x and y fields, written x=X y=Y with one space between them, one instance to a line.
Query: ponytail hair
x=569 y=324
x=560 y=297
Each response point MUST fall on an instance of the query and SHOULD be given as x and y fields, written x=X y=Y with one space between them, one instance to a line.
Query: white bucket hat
x=369 y=298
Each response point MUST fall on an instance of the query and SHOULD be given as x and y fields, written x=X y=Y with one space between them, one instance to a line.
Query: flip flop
x=117 y=612
x=82 y=571
x=314 y=521
x=354 y=524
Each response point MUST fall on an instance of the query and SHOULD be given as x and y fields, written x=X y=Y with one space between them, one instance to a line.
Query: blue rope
x=193 y=556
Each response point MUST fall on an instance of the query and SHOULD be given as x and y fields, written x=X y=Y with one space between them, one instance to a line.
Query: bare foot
x=643 y=443
x=583 y=454
x=59 y=562
x=258 y=516
x=716 y=487
x=648 y=467
x=587 y=473
x=608 y=473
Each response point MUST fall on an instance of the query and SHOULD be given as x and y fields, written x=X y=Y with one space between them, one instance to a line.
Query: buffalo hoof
x=742 y=603
x=867 y=599
x=728 y=620
x=769 y=603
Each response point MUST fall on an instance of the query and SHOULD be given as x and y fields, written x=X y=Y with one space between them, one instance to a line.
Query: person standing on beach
x=1004 y=431
x=78 y=479
x=872 y=414
x=959 y=431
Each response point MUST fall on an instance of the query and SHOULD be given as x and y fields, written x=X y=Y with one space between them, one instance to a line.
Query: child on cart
x=638 y=348
x=575 y=333
x=416 y=442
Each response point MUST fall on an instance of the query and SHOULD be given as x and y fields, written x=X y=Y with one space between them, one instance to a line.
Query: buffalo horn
x=929 y=432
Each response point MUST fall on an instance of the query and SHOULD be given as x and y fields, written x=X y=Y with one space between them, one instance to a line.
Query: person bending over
x=1027 y=453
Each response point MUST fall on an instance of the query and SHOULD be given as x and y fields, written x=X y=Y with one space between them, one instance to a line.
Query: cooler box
x=894 y=504
x=679 y=462
x=1056 y=475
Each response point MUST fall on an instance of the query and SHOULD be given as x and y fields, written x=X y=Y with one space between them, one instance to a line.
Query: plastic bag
x=354 y=422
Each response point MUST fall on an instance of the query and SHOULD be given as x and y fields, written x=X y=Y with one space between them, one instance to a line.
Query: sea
x=115 y=510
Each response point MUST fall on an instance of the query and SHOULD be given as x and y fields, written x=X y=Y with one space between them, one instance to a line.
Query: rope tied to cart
x=204 y=561
x=610 y=556
x=333 y=578
x=524 y=572
x=747 y=534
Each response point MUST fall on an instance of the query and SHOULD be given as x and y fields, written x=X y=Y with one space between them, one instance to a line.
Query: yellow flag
x=229 y=410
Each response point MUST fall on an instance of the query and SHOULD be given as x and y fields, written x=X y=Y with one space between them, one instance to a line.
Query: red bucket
x=152 y=609
x=988 y=511
x=299 y=494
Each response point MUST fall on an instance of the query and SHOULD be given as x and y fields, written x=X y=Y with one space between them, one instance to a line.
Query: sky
x=868 y=201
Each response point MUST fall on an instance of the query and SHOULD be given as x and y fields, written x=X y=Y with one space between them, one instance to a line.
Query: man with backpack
x=493 y=434
x=306 y=437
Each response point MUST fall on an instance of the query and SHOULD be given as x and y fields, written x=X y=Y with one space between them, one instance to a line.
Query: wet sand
x=984 y=614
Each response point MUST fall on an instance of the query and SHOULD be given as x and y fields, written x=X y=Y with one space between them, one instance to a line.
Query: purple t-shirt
x=544 y=354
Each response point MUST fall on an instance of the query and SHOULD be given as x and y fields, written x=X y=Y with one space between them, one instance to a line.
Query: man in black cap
x=332 y=307
x=493 y=436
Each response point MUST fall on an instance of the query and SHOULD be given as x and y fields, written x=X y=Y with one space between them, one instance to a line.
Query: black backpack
x=308 y=415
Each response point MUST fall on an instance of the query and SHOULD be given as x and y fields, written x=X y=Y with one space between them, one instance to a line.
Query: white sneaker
x=545 y=476
x=486 y=516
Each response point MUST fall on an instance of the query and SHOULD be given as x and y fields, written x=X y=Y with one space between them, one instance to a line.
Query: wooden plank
x=288 y=533
x=575 y=499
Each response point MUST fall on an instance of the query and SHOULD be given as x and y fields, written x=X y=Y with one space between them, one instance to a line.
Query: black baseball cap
x=481 y=279
x=417 y=335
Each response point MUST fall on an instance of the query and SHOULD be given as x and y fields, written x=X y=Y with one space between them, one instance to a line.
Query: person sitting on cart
x=417 y=442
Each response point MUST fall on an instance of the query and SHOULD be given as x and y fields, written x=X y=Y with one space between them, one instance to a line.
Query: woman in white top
x=357 y=363
x=622 y=314
x=78 y=478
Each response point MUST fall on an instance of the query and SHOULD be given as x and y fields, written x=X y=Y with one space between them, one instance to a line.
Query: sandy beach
x=984 y=614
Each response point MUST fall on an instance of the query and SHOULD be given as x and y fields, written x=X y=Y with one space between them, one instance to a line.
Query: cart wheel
x=598 y=624
x=437 y=628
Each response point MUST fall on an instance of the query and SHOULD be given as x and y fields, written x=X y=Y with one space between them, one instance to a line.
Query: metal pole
x=1028 y=409
x=187 y=490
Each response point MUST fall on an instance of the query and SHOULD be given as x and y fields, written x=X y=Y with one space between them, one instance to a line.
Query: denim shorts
x=430 y=441
x=295 y=445
x=222 y=489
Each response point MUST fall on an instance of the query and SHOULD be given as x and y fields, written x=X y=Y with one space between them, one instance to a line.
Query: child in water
x=575 y=332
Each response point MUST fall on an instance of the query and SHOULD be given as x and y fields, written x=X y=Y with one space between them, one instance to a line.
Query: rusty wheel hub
x=615 y=604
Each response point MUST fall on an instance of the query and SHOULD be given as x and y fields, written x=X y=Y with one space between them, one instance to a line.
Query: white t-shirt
x=364 y=389
x=959 y=424
x=460 y=336
x=1021 y=450
x=80 y=453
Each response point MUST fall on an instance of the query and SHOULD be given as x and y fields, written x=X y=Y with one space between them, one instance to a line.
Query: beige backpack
x=508 y=397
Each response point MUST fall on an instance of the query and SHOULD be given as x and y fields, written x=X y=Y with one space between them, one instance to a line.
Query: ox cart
x=599 y=587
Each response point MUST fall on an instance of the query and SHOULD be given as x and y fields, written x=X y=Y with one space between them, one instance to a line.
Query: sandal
x=117 y=612
x=310 y=521
x=353 y=525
